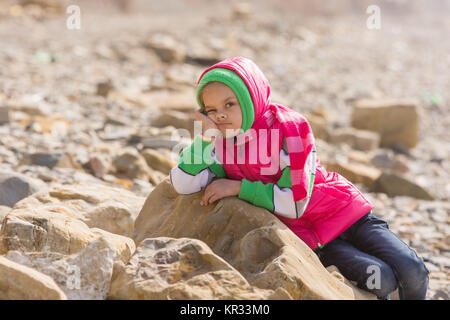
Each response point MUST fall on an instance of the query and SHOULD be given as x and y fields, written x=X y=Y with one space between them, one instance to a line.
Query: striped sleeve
x=278 y=198
x=197 y=166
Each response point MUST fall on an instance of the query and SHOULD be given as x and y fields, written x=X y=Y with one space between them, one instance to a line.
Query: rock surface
x=99 y=206
x=355 y=172
x=250 y=239
x=397 y=121
x=18 y=282
x=85 y=275
x=158 y=161
x=47 y=224
x=357 y=139
x=396 y=185
x=172 y=269
x=14 y=187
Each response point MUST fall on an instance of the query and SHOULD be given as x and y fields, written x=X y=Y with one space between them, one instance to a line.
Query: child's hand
x=219 y=189
x=207 y=123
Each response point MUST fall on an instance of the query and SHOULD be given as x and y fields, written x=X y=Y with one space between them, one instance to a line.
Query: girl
x=264 y=153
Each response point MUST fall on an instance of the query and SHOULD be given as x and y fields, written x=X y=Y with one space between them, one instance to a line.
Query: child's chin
x=229 y=133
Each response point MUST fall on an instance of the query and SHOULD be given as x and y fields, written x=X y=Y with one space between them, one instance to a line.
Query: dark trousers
x=377 y=260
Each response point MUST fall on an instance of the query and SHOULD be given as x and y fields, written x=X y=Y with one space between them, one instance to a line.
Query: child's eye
x=229 y=104
x=209 y=111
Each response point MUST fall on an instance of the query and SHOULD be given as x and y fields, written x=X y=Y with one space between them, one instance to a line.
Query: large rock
x=18 y=282
x=15 y=186
x=97 y=205
x=178 y=119
x=166 y=48
x=47 y=231
x=360 y=294
x=251 y=239
x=50 y=160
x=355 y=172
x=396 y=185
x=397 y=121
x=46 y=159
x=46 y=222
x=82 y=276
x=387 y=160
x=167 y=268
x=131 y=165
x=357 y=139
x=158 y=161
x=319 y=126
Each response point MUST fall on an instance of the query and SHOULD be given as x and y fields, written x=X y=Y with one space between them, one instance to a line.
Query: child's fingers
x=203 y=201
x=207 y=122
x=210 y=197
x=214 y=198
x=208 y=194
x=198 y=115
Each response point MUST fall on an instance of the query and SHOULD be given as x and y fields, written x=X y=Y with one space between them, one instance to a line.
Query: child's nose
x=221 y=116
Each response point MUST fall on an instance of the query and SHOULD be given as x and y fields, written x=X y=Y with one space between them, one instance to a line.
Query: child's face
x=222 y=107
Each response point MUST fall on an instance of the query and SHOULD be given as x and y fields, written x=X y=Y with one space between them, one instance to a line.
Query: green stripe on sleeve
x=257 y=193
x=285 y=180
x=196 y=157
x=312 y=177
x=218 y=170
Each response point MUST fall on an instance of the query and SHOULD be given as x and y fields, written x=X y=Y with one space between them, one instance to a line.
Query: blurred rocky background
x=88 y=119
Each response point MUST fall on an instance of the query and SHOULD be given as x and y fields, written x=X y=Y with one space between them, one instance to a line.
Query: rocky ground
x=100 y=105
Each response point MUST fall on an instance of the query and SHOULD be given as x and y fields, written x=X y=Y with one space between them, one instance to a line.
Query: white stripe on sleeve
x=283 y=202
x=185 y=183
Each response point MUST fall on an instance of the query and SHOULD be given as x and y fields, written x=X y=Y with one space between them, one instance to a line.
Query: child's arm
x=196 y=168
x=278 y=198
